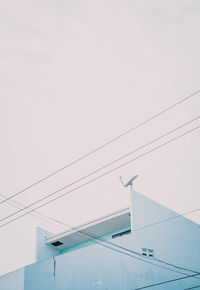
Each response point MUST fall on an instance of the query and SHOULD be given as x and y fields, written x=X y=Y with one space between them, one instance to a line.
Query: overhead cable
x=166 y=282
x=102 y=146
x=101 y=168
x=194 y=287
x=167 y=219
x=100 y=176
x=101 y=239
x=36 y=214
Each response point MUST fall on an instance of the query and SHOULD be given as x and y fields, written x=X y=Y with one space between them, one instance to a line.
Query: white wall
x=175 y=241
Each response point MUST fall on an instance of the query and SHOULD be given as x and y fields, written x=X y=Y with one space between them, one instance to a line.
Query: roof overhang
x=107 y=225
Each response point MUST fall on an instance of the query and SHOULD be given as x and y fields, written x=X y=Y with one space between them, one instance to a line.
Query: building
x=146 y=246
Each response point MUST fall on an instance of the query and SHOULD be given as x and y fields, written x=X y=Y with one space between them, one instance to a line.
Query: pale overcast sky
x=74 y=74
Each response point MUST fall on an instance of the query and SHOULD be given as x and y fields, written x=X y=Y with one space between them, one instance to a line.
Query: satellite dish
x=130 y=181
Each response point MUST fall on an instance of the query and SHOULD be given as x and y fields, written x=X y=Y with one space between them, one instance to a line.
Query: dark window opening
x=56 y=244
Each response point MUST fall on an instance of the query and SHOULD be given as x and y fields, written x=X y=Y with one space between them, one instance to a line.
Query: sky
x=75 y=74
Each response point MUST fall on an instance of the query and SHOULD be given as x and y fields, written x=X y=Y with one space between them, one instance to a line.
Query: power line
x=111 y=243
x=168 y=281
x=108 y=242
x=149 y=225
x=134 y=252
x=194 y=287
x=158 y=260
x=41 y=216
x=137 y=258
x=100 y=176
x=175 y=266
x=167 y=219
x=102 y=146
x=103 y=167
x=102 y=240
x=37 y=215
x=131 y=251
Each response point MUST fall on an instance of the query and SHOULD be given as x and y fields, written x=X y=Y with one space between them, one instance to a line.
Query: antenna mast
x=130 y=183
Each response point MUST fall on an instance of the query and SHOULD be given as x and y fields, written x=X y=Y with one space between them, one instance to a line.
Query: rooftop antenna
x=130 y=183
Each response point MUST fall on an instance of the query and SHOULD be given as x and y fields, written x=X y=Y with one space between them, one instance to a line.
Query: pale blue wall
x=79 y=269
x=176 y=241
x=40 y=276
x=43 y=251
x=13 y=280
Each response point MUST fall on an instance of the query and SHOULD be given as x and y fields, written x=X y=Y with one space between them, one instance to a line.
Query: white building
x=161 y=252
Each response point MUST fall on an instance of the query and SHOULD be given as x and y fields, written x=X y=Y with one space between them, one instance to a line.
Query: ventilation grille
x=147 y=252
